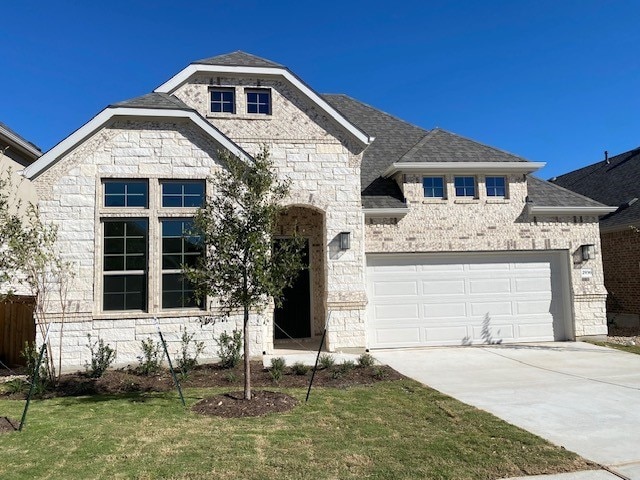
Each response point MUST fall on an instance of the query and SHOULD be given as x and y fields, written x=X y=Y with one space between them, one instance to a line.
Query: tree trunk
x=247 y=364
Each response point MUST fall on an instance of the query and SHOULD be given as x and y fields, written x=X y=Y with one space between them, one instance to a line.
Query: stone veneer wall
x=323 y=163
x=492 y=225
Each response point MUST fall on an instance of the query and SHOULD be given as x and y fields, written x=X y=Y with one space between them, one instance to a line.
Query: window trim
x=505 y=186
x=258 y=90
x=443 y=187
x=125 y=181
x=465 y=187
x=234 y=103
x=163 y=182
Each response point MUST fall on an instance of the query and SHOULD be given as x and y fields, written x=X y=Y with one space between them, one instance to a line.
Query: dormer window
x=223 y=100
x=496 y=186
x=259 y=101
x=465 y=186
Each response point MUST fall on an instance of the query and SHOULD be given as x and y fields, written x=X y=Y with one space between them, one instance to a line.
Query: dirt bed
x=233 y=405
x=8 y=425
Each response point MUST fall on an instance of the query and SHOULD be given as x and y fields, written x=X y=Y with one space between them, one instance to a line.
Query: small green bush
x=31 y=354
x=366 y=360
x=326 y=360
x=102 y=357
x=230 y=376
x=277 y=368
x=186 y=361
x=380 y=373
x=17 y=385
x=300 y=368
x=230 y=348
x=151 y=358
x=346 y=366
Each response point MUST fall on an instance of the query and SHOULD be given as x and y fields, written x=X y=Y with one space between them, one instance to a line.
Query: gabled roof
x=241 y=63
x=153 y=105
x=616 y=182
x=154 y=100
x=16 y=141
x=238 y=59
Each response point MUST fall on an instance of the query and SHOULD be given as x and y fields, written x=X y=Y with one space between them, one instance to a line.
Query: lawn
x=625 y=348
x=392 y=429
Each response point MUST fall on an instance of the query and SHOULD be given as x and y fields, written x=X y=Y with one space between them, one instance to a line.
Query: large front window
x=125 y=264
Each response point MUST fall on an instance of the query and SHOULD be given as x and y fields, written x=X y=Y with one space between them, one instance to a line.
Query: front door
x=293 y=318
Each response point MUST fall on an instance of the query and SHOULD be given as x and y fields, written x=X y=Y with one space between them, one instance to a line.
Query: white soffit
x=107 y=114
x=462 y=167
x=180 y=78
x=568 y=210
x=385 y=212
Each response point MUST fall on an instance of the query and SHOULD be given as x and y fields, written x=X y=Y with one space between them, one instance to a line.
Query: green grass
x=625 y=348
x=389 y=430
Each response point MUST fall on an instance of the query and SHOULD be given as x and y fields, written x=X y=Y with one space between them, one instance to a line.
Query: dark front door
x=293 y=318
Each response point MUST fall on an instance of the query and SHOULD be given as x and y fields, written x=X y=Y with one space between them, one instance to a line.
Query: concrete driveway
x=577 y=395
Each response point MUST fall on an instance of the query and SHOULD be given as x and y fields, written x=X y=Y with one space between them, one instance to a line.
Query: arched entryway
x=302 y=314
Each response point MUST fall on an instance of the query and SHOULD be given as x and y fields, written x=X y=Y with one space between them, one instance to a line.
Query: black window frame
x=465 y=189
x=429 y=191
x=220 y=103
x=182 y=195
x=257 y=104
x=108 y=183
x=493 y=189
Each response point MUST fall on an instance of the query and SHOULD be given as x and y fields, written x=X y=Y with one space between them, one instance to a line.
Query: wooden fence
x=17 y=326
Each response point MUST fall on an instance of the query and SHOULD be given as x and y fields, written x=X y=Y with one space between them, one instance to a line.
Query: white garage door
x=422 y=300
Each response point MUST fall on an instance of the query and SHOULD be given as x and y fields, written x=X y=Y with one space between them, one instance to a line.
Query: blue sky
x=552 y=81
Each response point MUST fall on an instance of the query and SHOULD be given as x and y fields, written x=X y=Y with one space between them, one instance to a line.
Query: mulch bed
x=233 y=405
x=129 y=381
x=8 y=425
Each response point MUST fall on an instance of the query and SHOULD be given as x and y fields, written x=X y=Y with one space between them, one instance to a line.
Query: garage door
x=421 y=300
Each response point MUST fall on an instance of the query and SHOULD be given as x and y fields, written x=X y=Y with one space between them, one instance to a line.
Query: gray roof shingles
x=238 y=59
x=162 y=101
x=614 y=183
x=543 y=193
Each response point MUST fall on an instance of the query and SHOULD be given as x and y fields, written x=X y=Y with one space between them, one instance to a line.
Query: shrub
x=380 y=373
x=230 y=348
x=346 y=366
x=326 y=360
x=102 y=356
x=277 y=368
x=366 y=360
x=300 y=368
x=151 y=357
x=185 y=362
x=31 y=354
x=17 y=385
x=230 y=376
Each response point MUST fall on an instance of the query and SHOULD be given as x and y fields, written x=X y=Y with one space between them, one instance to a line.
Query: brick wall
x=621 y=260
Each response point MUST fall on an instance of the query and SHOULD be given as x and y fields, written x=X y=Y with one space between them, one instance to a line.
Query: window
x=125 y=193
x=433 y=187
x=125 y=265
x=178 y=249
x=465 y=186
x=223 y=100
x=259 y=101
x=496 y=187
x=182 y=194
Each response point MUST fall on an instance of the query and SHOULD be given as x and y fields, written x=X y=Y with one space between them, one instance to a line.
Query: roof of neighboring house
x=397 y=140
x=615 y=182
x=13 y=139
x=238 y=59
x=154 y=100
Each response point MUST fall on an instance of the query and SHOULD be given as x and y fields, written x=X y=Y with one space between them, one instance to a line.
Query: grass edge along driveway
x=393 y=429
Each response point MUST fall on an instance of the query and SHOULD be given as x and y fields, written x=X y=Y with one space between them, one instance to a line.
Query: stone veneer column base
x=347 y=326
x=590 y=315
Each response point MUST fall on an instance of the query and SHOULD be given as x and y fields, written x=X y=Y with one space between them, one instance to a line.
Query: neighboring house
x=415 y=237
x=614 y=181
x=16 y=153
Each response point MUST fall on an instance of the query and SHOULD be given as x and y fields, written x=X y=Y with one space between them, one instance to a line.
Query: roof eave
x=93 y=125
x=462 y=167
x=24 y=147
x=385 y=212
x=181 y=77
x=569 y=210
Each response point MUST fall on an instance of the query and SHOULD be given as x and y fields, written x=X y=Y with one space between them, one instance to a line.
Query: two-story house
x=415 y=237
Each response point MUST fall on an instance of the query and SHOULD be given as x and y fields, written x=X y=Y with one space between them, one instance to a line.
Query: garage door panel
x=490 y=286
x=427 y=300
x=443 y=287
x=491 y=308
x=444 y=310
x=394 y=289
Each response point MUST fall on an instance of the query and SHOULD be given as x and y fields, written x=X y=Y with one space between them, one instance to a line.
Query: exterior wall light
x=587 y=251
x=345 y=240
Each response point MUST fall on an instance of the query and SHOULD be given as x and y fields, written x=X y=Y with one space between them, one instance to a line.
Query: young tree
x=237 y=225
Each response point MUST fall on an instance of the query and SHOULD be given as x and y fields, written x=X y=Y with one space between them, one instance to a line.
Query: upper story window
x=181 y=194
x=433 y=187
x=496 y=186
x=126 y=193
x=465 y=186
x=223 y=100
x=259 y=101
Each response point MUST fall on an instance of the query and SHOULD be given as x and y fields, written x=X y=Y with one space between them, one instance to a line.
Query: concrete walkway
x=577 y=395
